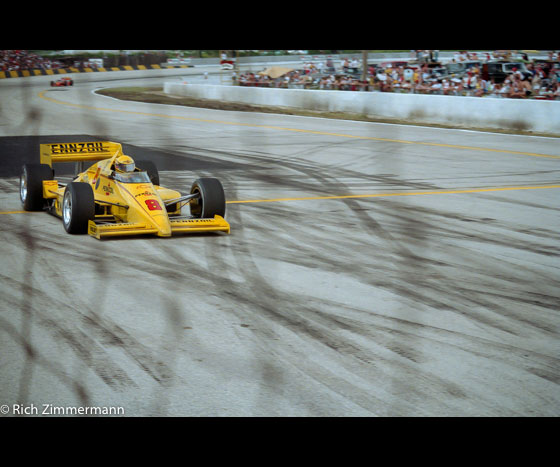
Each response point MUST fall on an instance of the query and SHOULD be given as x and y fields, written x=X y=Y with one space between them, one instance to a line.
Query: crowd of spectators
x=14 y=60
x=419 y=76
x=535 y=82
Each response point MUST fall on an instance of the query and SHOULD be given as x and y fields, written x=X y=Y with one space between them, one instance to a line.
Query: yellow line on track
x=383 y=195
x=299 y=130
x=373 y=195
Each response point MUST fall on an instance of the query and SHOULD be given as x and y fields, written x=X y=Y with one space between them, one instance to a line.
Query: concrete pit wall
x=464 y=112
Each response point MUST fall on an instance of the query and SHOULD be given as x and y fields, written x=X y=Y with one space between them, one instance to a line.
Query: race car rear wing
x=78 y=152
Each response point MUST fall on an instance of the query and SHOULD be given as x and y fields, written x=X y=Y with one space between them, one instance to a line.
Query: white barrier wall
x=473 y=112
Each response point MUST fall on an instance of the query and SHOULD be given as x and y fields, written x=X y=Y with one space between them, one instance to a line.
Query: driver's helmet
x=125 y=164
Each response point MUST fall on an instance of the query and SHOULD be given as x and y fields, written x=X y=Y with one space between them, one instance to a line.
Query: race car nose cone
x=161 y=222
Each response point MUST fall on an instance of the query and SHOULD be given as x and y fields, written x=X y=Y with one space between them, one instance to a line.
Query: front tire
x=212 y=199
x=78 y=207
x=31 y=185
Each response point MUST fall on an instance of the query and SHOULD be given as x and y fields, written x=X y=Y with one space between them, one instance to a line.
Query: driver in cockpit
x=124 y=164
x=125 y=171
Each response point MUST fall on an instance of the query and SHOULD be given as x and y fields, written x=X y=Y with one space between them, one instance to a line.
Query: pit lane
x=372 y=269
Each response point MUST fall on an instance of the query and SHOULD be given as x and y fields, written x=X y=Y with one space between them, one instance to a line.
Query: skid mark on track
x=63 y=311
x=376 y=360
x=477 y=300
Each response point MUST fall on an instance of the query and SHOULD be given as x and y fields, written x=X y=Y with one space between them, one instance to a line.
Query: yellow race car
x=117 y=196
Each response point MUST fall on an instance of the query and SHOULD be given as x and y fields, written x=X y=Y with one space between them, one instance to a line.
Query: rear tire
x=212 y=200
x=78 y=207
x=31 y=185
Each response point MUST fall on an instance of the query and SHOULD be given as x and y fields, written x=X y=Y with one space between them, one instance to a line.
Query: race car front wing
x=101 y=230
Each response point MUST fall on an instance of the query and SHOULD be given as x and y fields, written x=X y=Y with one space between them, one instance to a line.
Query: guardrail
x=462 y=111
x=399 y=88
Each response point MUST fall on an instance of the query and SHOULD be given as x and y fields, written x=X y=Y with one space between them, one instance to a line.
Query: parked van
x=499 y=70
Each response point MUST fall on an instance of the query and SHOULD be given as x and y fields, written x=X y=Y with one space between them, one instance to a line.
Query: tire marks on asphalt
x=63 y=310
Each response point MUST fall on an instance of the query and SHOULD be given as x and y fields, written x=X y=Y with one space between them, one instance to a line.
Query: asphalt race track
x=371 y=269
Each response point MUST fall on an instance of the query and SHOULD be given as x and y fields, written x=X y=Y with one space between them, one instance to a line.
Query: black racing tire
x=31 y=185
x=78 y=207
x=151 y=168
x=212 y=199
